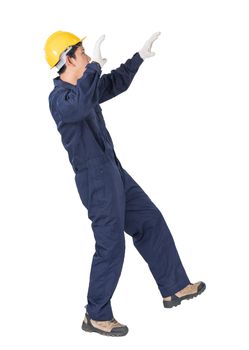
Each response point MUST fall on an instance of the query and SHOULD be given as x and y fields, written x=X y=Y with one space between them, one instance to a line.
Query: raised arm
x=118 y=81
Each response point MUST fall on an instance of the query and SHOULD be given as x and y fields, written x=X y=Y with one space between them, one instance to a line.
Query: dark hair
x=70 y=53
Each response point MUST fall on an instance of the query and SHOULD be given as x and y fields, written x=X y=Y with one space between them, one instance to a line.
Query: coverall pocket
x=96 y=181
x=81 y=179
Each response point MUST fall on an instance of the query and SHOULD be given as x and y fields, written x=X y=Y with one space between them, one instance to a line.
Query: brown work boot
x=112 y=328
x=189 y=292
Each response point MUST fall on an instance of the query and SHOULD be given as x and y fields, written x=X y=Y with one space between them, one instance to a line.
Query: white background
x=181 y=130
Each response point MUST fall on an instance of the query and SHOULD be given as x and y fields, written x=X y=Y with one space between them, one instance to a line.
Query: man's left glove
x=145 y=51
x=96 y=52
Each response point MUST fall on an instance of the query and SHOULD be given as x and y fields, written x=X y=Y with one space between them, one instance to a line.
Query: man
x=114 y=201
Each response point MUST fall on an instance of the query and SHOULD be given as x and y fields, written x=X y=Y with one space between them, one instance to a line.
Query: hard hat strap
x=62 y=60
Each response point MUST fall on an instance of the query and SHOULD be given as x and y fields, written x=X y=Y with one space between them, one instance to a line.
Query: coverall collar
x=62 y=83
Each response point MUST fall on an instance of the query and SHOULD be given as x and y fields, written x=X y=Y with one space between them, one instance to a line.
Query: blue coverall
x=115 y=202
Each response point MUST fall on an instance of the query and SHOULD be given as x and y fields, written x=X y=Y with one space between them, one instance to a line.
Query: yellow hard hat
x=57 y=43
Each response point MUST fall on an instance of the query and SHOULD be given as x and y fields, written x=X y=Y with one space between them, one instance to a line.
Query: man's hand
x=145 y=51
x=97 y=54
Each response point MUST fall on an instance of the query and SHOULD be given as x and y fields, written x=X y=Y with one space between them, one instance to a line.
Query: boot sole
x=177 y=301
x=88 y=327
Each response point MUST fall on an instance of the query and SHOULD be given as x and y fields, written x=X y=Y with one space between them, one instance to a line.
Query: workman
x=115 y=203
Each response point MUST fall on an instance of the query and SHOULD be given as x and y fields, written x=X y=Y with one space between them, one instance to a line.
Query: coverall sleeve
x=74 y=105
x=119 y=79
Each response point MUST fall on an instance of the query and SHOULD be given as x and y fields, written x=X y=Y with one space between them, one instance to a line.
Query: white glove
x=97 y=54
x=145 y=51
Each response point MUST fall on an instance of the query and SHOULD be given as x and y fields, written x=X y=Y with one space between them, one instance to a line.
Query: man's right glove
x=96 y=52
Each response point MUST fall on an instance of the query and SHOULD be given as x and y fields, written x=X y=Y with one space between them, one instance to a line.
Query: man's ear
x=70 y=61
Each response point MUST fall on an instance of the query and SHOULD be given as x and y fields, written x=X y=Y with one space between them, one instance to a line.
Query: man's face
x=81 y=60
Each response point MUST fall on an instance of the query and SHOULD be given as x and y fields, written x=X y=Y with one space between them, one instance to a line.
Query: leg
x=152 y=238
x=102 y=192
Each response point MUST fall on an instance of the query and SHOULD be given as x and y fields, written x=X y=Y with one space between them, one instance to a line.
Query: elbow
x=74 y=115
x=77 y=112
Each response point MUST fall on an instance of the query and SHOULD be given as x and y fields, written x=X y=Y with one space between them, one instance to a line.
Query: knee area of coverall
x=151 y=227
x=111 y=249
x=147 y=220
